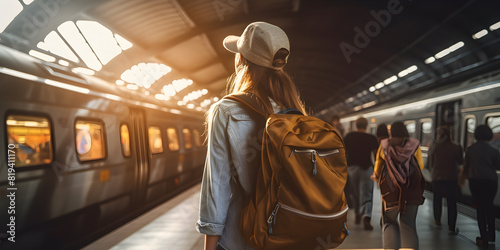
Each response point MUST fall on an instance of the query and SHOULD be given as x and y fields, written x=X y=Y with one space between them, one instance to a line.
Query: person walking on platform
x=359 y=148
x=399 y=158
x=480 y=166
x=382 y=132
x=337 y=125
x=445 y=158
x=234 y=133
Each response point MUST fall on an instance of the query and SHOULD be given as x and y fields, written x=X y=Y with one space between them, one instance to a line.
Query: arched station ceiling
x=339 y=49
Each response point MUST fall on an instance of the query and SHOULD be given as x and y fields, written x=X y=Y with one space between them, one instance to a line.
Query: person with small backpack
x=272 y=179
x=398 y=171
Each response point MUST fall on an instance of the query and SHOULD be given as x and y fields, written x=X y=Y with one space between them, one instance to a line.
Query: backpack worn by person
x=399 y=185
x=299 y=201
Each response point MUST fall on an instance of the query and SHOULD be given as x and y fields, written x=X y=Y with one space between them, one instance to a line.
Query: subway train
x=81 y=156
x=461 y=106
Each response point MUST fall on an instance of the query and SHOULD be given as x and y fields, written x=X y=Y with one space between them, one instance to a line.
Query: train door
x=141 y=148
x=448 y=114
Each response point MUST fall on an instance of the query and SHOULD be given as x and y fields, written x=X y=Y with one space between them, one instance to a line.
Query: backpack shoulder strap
x=249 y=100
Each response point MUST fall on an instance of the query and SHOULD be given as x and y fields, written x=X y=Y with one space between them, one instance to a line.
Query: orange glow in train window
x=32 y=139
x=90 y=140
x=188 y=139
x=155 y=141
x=125 y=140
x=173 y=139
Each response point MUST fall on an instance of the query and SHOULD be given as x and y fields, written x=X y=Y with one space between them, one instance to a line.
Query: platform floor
x=172 y=226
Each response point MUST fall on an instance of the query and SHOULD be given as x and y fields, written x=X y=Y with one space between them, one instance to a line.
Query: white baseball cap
x=259 y=43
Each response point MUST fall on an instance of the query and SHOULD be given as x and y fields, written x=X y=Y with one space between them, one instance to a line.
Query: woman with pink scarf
x=398 y=169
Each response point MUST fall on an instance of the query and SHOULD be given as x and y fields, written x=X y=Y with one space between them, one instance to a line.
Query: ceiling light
x=120 y=82
x=447 y=51
x=407 y=71
x=430 y=60
x=372 y=88
x=379 y=85
x=480 y=34
x=495 y=26
x=350 y=99
x=368 y=104
x=390 y=80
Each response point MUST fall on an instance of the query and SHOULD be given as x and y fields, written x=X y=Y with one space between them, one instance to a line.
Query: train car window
x=188 y=138
x=470 y=126
x=155 y=141
x=426 y=135
x=494 y=123
x=90 y=140
x=197 y=137
x=125 y=140
x=411 y=127
x=173 y=139
x=31 y=138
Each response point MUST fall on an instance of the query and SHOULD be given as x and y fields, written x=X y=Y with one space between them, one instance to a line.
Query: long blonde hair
x=266 y=83
x=263 y=82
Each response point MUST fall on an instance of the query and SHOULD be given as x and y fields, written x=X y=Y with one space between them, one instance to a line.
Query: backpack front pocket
x=290 y=226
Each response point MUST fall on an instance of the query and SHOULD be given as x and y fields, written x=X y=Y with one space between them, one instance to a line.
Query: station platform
x=172 y=226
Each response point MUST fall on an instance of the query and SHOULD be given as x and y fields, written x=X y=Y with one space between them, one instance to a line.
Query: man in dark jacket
x=359 y=147
x=445 y=158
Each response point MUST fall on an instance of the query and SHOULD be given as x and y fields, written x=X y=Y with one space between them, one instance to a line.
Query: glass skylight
x=192 y=96
x=101 y=40
x=10 y=9
x=56 y=45
x=124 y=44
x=96 y=47
x=73 y=36
x=145 y=74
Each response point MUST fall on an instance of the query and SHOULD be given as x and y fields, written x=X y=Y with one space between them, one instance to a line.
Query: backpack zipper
x=272 y=218
x=313 y=153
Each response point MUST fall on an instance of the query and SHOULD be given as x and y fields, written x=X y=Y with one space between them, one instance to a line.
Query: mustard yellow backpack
x=299 y=201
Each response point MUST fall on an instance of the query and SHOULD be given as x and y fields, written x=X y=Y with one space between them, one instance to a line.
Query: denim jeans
x=360 y=190
x=402 y=234
x=448 y=190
